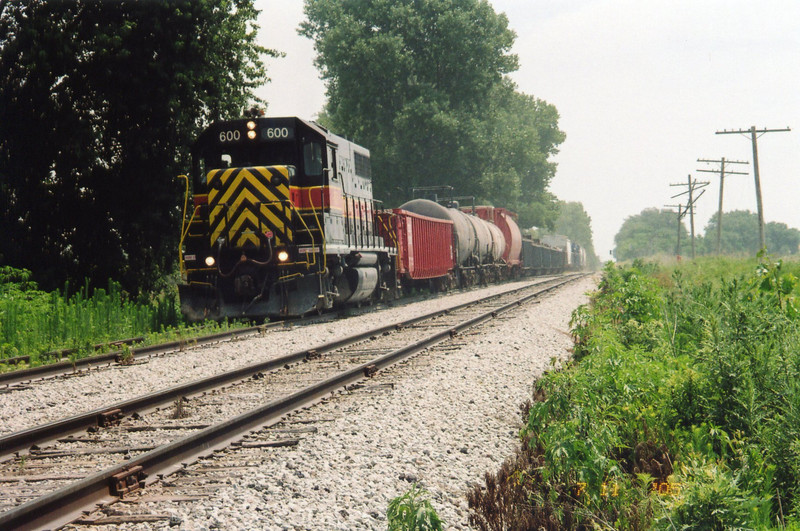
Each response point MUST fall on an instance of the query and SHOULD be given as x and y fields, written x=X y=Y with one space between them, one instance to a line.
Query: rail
x=66 y=504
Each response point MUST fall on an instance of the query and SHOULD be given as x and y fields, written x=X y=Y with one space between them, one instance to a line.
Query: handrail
x=313 y=242
x=319 y=226
x=184 y=226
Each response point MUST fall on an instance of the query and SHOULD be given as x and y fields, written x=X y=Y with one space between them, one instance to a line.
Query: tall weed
x=34 y=322
x=681 y=409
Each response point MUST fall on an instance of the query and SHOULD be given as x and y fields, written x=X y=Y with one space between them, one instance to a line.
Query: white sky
x=641 y=87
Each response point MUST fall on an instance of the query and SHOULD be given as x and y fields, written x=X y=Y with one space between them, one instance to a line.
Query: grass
x=680 y=410
x=34 y=323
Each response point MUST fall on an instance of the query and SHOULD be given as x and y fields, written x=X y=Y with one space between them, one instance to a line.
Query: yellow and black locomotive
x=282 y=222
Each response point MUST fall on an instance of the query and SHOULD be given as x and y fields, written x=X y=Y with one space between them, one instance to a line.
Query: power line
x=754 y=134
x=721 y=162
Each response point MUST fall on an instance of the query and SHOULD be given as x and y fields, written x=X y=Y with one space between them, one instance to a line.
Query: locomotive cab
x=281 y=210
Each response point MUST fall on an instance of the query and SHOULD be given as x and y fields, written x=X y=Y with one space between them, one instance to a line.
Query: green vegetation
x=33 y=322
x=423 y=84
x=413 y=512
x=654 y=232
x=740 y=235
x=574 y=223
x=99 y=105
x=680 y=410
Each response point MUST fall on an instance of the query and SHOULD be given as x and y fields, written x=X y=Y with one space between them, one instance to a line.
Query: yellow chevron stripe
x=222 y=175
x=252 y=194
x=249 y=215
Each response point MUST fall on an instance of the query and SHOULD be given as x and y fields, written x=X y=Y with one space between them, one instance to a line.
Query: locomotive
x=283 y=223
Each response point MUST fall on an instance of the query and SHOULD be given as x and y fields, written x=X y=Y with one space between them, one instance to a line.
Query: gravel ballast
x=97 y=388
x=441 y=420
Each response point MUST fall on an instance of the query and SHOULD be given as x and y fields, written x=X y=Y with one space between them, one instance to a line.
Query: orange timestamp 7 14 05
x=662 y=488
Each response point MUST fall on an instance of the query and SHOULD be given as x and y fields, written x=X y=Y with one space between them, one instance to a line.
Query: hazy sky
x=641 y=87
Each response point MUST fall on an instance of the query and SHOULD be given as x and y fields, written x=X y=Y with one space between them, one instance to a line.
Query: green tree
x=516 y=136
x=421 y=83
x=99 y=102
x=574 y=223
x=740 y=235
x=649 y=233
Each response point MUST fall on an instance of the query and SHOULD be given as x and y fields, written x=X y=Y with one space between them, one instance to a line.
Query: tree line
x=424 y=85
x=100 y=102
x=654 y=232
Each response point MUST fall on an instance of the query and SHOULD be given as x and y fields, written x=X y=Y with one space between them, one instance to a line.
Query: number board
x=271 y=134
x=230 y=135
x=268 y=133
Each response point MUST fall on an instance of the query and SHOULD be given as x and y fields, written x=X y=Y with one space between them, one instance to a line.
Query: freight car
x=283 y=223
x=575 y=255
x=479 y=245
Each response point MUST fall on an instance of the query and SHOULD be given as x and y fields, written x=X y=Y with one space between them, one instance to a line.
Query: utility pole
x=680 y=217
x=721 y=162
x=691 y=186
x=754 y=134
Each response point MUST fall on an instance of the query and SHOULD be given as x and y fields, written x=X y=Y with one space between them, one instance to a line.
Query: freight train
x=283 y=223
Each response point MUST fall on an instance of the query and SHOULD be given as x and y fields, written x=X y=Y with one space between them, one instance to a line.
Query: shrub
x=413 y=512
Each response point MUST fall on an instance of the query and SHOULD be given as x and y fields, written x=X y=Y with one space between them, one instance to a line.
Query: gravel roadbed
x=92 y=389
x=456 y=419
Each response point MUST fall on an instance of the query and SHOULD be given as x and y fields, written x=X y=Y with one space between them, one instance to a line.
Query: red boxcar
x=424 y=245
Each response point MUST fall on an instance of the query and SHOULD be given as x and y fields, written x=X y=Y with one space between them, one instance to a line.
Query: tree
x=649 y=233
x=740 y=235
x=574 y=223
x=421 y=83
x=99 y=102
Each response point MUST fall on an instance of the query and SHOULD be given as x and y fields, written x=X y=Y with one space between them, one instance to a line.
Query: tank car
x=479 y=244
x=505 y=221
x=282 y=224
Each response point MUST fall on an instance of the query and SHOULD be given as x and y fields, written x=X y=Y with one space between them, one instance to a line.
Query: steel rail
x=61 y=368
x=59 y=354
x=42 y=434
x=64 y=367
x=66 y=504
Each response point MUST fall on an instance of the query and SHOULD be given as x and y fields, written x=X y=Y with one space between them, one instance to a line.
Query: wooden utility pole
x=754 y=134
x=721 y=162
x=680 y=217
x=691 y=186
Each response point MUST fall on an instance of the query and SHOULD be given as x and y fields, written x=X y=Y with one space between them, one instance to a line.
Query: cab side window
x=312 y=159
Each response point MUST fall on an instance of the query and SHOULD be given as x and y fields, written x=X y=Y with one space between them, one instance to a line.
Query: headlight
x=210 y=261
x=251 y=125
x=251 y=135
x=283 y=256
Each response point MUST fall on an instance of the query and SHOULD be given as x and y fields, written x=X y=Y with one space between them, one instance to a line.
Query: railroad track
x=128 y=445
x=60 y=366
